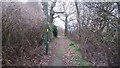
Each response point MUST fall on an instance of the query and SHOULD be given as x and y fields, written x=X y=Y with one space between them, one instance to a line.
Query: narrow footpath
x=63 y=52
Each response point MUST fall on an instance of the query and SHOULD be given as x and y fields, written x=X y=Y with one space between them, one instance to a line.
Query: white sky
x=59 y=23
x=23 y=0
x=62 y=0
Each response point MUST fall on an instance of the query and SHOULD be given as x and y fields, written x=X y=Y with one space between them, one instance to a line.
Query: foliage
x=74 y=46
x=22 y=33
x=83 y=62
x=53 y=29
x=76 y=58
x=96 y=31
x=71 y=44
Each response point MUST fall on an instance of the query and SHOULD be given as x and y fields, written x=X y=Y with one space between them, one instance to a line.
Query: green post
x=47 y=40
x=46 y=26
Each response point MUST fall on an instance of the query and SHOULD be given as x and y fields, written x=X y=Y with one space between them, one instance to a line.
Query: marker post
x=47 y=30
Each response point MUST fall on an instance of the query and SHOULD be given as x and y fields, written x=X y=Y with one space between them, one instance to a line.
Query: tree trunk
x=66 y=22
x=52 y=12
x=78 y=17
x=118 y=3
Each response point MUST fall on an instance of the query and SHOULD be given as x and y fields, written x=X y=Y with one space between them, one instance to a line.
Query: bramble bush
x=23 y=31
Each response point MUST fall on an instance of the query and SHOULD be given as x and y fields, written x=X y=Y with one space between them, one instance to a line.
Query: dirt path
x=57 y=58
x=62 y=53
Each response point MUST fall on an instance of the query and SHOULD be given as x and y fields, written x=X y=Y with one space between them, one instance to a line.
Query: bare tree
x=68 y=11
x=98 y=21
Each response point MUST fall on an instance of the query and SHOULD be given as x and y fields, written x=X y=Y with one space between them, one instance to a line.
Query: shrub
x=22 y=32
x=55 y=31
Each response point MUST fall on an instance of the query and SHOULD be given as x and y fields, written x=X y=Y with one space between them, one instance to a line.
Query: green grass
x=80 y=61
x=73 y=45
x=83 y=62
x=77 y=49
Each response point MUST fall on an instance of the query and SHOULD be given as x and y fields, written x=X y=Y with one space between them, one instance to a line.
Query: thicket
x=97 y=32
x=53 y=29
x=23 y=31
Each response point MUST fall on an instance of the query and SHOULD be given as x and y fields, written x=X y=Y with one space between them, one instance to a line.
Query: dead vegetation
x=22 y=33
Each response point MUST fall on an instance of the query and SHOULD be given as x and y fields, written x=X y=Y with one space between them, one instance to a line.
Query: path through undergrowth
x=63 y=52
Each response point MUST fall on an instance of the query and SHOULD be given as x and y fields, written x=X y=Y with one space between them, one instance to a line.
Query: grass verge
x=79 y=60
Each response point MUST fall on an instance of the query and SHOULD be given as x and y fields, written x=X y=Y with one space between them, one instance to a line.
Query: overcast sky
x=57 y=21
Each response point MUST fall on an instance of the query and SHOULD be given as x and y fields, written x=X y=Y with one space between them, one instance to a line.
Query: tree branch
x=61 y=19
